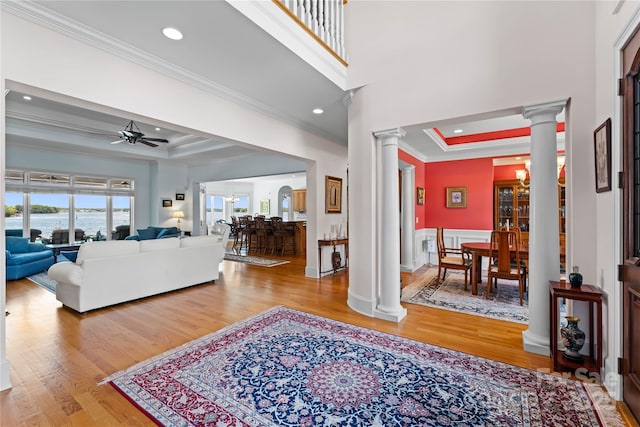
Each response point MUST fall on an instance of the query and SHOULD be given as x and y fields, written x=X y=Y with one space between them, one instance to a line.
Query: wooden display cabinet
x=299 y=200
x=511 y=203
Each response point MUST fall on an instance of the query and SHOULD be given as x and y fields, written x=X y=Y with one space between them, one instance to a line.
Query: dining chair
x=518 y=241
x=506 y=263
x=452 y=258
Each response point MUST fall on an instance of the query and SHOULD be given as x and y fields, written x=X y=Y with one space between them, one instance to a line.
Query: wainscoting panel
x=426 y=246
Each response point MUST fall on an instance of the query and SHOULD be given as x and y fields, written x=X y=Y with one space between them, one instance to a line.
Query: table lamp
x=178 y=214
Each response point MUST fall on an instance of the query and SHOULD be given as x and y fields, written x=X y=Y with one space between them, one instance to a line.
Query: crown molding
x=47 y=18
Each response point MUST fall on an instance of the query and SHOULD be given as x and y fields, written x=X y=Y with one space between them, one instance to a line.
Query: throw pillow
x=36 y=247
x=70 y=255
x=146 y=233
x=162 y=233
x=17 y=244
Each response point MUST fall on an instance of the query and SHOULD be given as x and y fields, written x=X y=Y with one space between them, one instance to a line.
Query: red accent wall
x=477 y=176
x=420 y=182
x=506 y=172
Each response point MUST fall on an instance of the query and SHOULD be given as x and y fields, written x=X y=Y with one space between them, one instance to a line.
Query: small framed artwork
x=602 y=149
x=456 y=197
x=420 y=196
x=166 y=203
x=179 y=196
x=333 y=194
x=264 y=207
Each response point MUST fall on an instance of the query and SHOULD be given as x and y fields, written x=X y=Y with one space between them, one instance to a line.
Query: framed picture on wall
x=456 y=197
x=264 y=207
x=167 y=203
x=602 y=148
x=420 y=196
x=333 y=194
x=179 y=196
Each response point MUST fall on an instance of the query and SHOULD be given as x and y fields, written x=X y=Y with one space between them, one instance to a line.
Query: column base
x=408 y=268
x=535 y=344
x=360 y=304
x=391 y=316
x=312 y=272
x=5 y=375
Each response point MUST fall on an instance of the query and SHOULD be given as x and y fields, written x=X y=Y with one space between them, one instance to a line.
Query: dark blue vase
x=575 y=278
x=573 y=339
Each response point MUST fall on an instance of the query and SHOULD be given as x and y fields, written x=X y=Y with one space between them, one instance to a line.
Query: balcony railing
x=322 y=19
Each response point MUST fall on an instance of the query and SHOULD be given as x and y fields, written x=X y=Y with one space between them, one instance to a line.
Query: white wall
x=612 y=30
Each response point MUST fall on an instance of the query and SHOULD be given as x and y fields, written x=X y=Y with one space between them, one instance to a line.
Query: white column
x=5 y=368
x=407 y=253
x=388 y=304
x=544 y=238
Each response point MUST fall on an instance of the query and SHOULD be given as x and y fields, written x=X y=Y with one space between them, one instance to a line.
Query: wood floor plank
x=58 y=357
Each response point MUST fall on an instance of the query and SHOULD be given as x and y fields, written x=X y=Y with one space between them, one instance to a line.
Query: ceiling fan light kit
x=132 y=134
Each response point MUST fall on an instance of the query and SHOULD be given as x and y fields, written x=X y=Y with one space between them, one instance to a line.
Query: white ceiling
x=229 y=53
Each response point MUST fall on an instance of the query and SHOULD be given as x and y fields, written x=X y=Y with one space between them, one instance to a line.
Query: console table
x=592 y=295
x=333 y=242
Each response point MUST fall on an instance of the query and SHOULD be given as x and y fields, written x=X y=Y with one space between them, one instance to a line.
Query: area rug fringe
x=254 y=260
x=604 y=405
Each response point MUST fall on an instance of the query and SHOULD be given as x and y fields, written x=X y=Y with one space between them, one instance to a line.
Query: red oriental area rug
x=288 y=368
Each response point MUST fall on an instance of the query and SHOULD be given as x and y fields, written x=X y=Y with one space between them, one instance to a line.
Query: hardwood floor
x=58 y=356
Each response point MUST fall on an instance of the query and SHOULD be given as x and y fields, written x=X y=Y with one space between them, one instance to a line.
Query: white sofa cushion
x=159 y=244
x=100 y=249
x=198 y=241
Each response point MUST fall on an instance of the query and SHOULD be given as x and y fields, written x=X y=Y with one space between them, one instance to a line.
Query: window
x=120 y=211
x=91 y=214
x=241 y=204
x=49 y=179
x=59 y=200
x=88 y=181
x=48 y=212
x=13 y=214
x=218 y=208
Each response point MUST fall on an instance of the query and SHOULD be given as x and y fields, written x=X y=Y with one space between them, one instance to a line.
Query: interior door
x=631 y=225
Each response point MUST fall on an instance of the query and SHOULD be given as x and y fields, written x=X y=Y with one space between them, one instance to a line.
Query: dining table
x=479 y=249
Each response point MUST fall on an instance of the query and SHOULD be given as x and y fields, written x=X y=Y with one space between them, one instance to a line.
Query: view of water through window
x=51 y=211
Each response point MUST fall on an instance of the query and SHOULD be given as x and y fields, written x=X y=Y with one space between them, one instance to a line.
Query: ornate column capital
x=547 y=111
x=390 y=134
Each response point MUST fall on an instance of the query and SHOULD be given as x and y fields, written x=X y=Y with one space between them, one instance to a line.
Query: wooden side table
x=592 y=295
x=334 y=243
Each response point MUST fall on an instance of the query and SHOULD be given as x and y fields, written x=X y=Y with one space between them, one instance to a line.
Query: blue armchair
x=24 y=258
x=154 y=233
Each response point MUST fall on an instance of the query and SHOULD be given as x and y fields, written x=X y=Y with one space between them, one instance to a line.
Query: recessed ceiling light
x=172 y=33
x=26 y=98
x=158 y=129
x=458 y=131
x=318 y=111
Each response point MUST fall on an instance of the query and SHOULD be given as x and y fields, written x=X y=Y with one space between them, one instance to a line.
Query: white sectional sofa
x=111 y=272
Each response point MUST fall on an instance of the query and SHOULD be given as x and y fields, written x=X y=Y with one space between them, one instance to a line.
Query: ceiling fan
x=132 y=134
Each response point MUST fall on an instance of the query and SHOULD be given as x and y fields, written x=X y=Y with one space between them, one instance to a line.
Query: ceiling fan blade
x=118 y=141
x=154 y=139
x=150 y=144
